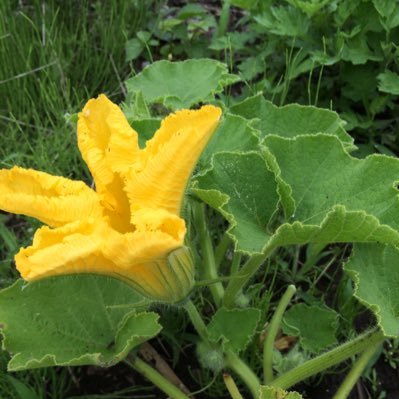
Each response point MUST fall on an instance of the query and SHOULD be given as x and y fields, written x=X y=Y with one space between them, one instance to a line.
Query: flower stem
x=231 y=387
x=209 y=265
x=244 y=372
x=238 y=281
x=156 y=378
x=356 y=371
x=272 y=333
x=328 y=359
x=197 y=321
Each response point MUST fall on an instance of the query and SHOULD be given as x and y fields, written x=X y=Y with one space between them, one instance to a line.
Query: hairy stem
x=356 y=372
x=272 y=333
x=238 y=281
x=328 y=359
x=244 y=372
x=209 y=265
x=156 y=378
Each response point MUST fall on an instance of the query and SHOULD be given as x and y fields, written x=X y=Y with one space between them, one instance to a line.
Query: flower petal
x=109 y=147
x=159 y=178
x=73 y=248
x=52 y=199
x=92 y=246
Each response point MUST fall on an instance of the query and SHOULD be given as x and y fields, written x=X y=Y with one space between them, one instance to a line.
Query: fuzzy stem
x=272 y=333
x=209 y=265
x=238 y=281
x=328 y=359
x=244 y=372
x=356 y=371
x=221 y=249
x=231 y=387
x=156 y=378
x=197 y=321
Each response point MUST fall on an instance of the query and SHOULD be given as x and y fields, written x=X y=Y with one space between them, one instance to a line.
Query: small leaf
x=145 y=129
x=277 y=393
x=133 y=48
x=234 y=327
x=181 y=84
x=374 y=269
x=315 y=325
x=243 y=189
x=73 y=320
x=388 y=82
x=291 y=120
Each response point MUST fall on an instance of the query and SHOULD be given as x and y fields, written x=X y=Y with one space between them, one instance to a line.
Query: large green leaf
x=375 y=271
x=332 y=196
x=73 y=320
x=234 y=328
x=299 y=321
x=328 y=195
x=243 y=189
x=234 y=135
x=291 y=120
x=181 y=84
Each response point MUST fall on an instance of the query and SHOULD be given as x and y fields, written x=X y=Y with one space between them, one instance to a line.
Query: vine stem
x=156 y=378
x=328 y=359
x=232 y=360
x=208 y=264
x=272 y=333
x=231 y=387
x=238 y=281
x=246 y=374
x=356 y=371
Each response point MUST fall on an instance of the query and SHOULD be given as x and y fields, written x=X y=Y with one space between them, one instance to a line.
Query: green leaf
x=73 y=320
x=374 y=269
x=181 y=84
x=145 y=129
x=277 y=393
x=291 y=120
x=242 y=188
x=322 y=175
x=333 y=197
x=233 y=135
x=388 y=82
x=245 y=4
x=300 y=319
x=284 y=21
x=23 y=391
x=133 y=49
x=234 y=328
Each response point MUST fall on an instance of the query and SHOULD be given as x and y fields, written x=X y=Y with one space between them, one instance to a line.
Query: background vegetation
x=340 y=54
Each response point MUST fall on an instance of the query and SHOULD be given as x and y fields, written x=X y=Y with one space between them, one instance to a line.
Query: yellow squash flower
x=129 y=226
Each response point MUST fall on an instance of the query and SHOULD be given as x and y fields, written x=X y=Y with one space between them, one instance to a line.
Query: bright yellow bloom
x=130 y=225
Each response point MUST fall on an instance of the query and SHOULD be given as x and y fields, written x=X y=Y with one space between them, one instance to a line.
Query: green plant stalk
x=231 y=387
x=156 y=378
x=238 y=281
x=328 y=359
x=209 y=265
x=272 y=333
x=350 y=380
x=234 y=362
x=221 y=249
x=196 y=320
x=224 y=18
